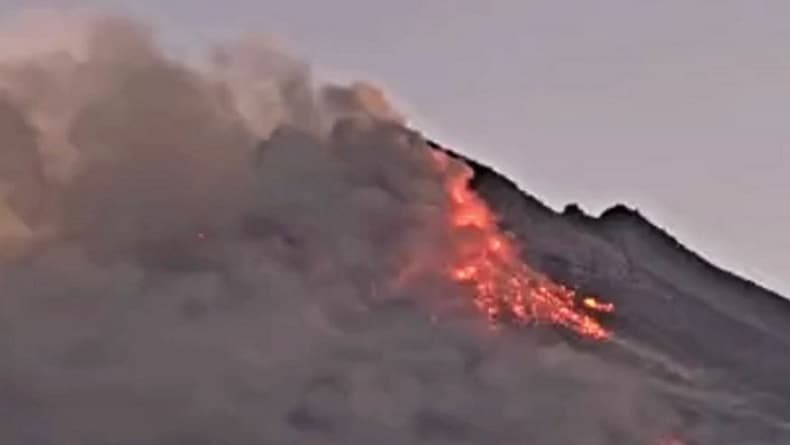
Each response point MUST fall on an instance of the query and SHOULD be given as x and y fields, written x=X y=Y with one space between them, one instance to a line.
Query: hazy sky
x=679 y=108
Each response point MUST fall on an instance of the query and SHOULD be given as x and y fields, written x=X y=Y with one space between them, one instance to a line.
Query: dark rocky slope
x=680 y=319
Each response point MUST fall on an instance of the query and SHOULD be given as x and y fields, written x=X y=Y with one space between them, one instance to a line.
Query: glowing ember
x=598 y=306
x=505 y=288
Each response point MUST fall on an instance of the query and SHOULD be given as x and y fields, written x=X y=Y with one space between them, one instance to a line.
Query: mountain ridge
x=616 y=214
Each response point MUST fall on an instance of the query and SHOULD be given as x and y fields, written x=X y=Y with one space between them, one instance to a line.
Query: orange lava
x=488 y=261
x=592 y=303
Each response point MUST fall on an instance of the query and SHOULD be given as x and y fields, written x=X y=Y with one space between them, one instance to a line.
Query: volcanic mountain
x=719 y=341
x=226 y=251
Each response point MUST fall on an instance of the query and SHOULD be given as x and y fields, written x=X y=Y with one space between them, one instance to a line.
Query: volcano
x=718 y=342
x=227 y=251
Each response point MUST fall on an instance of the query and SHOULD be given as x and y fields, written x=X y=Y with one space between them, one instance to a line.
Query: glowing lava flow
x=505 y=288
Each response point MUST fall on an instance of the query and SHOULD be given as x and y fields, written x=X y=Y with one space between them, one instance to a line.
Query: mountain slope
x=679 y=317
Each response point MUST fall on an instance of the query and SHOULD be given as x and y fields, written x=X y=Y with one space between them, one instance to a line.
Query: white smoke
x=209 y=255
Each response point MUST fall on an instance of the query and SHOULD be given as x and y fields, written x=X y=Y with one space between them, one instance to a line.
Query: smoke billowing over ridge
x=234 y=253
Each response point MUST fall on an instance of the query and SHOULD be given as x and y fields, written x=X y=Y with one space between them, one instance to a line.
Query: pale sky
x=677 y=107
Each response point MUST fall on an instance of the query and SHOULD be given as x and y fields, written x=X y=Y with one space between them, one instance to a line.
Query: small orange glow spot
x=201 y=236
x=593 y=304
x=465 y=273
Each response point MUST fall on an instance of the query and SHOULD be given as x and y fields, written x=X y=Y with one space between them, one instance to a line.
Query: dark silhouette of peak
x=622 y=211
x=630 y=229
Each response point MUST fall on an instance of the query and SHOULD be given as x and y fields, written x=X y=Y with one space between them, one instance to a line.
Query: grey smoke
x=208 y=253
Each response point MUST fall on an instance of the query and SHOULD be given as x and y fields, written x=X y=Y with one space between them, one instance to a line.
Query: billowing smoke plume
x=229 y=252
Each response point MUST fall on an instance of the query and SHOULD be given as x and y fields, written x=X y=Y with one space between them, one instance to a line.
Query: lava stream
x=488 y=262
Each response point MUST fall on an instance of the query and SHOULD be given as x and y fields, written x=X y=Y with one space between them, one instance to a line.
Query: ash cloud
x=196 y=255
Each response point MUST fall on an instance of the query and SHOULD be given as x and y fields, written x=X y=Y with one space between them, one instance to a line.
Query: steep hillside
x=696 y=327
